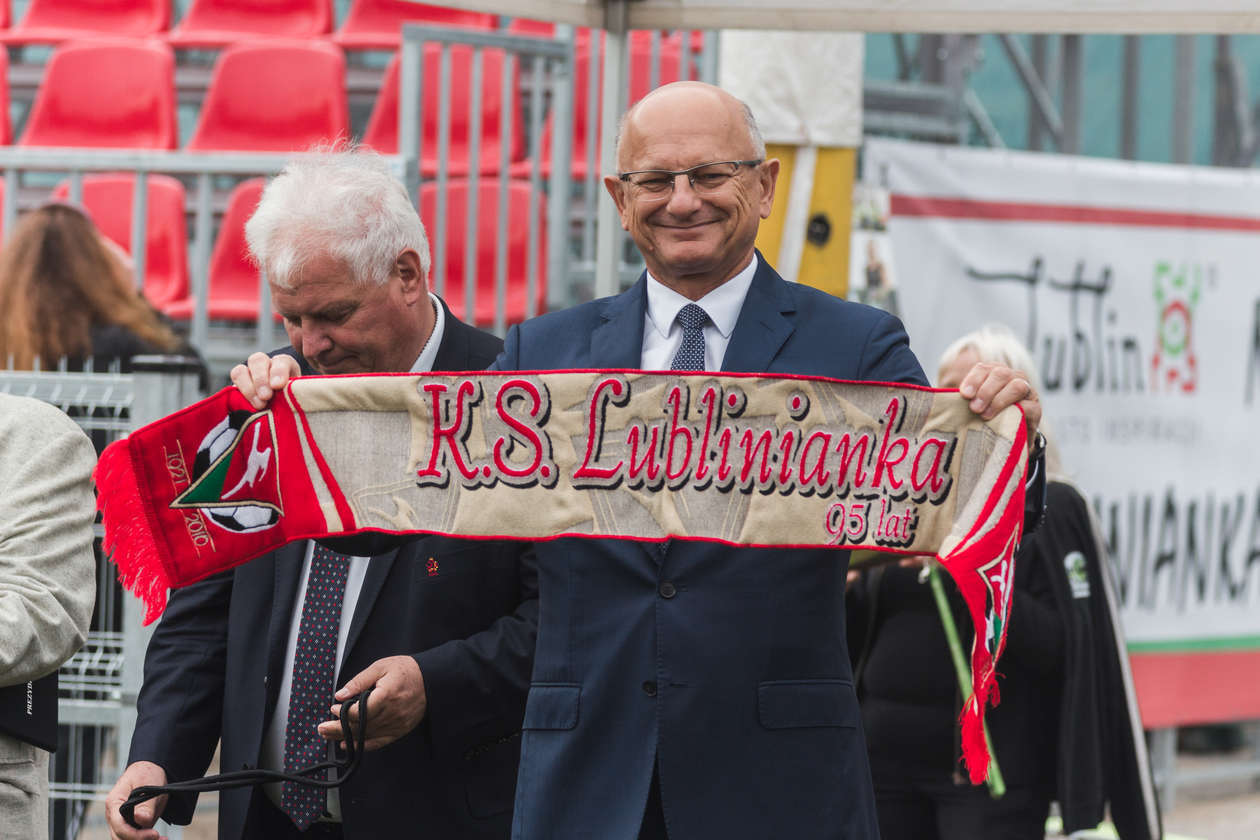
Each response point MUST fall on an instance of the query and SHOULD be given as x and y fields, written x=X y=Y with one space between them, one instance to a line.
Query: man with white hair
x=442 y=629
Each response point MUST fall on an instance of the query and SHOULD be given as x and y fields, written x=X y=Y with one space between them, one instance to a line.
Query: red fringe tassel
x=129 y=542
x=975 y=752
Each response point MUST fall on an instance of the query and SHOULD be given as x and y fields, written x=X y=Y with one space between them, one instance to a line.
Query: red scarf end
x=130 y=542
x=975 y=751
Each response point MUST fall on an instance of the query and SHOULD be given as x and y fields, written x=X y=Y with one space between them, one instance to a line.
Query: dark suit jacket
x=215 y=663
x=735 y=680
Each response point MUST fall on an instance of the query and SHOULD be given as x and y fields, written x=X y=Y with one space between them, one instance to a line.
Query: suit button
x=649 y=688
x=667 y=590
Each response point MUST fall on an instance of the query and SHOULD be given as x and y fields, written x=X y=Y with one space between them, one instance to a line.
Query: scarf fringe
x=130 y=540
x=974 y=749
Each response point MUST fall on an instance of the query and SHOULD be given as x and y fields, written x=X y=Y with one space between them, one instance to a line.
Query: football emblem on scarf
x=998 y=580
x=236 y=480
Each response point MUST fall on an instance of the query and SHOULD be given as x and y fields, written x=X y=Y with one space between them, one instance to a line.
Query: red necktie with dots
x=314 y=664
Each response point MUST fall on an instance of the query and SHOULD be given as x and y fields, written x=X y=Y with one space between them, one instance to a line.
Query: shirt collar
x=424 y=363
x=722 y=304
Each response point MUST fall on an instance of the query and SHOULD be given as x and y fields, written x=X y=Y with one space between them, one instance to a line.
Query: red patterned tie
x=314 y=663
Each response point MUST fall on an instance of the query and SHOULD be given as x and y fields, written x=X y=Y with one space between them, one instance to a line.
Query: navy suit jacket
x=735 y=680
x=215 y=662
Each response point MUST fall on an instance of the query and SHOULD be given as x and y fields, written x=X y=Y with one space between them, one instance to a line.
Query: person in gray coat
x=47 y=582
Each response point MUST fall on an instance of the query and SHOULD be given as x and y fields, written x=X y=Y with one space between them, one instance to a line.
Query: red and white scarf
x=775 y=461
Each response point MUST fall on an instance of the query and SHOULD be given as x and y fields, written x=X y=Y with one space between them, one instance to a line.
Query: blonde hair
x=57 y=281
x=997 y=344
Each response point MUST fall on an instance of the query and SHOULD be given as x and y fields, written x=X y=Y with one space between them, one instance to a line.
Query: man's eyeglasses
x=658 y=184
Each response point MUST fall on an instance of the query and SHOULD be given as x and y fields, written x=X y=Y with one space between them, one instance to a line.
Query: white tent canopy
x=1076 y=16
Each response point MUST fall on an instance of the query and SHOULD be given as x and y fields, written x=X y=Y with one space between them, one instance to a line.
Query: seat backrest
x=520 y=201
x=107 y=199
x=547 y=29
x=377 y=24
x=221 y=22
x=382 y=128
x=668 y=70
x=106 y=92
x=6 y=128
x=59 y=20
x=233 y=276
x=274 y=96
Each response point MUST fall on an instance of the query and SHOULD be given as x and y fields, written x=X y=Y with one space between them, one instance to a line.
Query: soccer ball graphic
x=244 y=519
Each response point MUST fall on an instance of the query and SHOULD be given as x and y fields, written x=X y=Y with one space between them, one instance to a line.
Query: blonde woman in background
x=67 y=291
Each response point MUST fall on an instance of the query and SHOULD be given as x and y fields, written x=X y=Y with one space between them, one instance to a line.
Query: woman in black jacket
x=1059 y=732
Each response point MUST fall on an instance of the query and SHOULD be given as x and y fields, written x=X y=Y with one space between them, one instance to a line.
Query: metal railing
x=548 y=65
x=536 y=83
x=200 y=167
x=1169 y=779
x=99 y=684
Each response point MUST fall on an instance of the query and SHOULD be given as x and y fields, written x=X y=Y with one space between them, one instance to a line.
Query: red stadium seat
x=108 y=199
x=272 y=96
x=547 y=29
x=670 y=70
x=582 y=35
x=106 y=92
x=233 y=277
x=382 y=128
x=217 y=23
x=520 y=200
x=6 y=129
x=377 y=24
x=538 y=28
x=54 y=21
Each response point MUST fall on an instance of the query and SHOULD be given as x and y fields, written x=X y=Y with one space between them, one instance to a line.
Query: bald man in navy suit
x=690 y=689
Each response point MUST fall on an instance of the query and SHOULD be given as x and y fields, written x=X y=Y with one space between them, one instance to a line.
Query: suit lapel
x=287 y=561
x=618 y=341
x=763 y=326
x=373 y=582
x=453 y=353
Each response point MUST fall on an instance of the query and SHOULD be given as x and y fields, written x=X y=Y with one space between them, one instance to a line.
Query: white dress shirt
x=662 y=335
x=272 y=756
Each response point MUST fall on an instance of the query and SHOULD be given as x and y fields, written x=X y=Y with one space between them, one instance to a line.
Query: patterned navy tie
x=314 y=663
x=690 y=355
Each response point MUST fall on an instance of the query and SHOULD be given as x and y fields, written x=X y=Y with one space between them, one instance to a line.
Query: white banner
x=1136 y=287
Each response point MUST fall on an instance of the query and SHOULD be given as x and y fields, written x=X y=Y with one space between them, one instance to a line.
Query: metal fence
x=492 y=218
x=99 y=684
